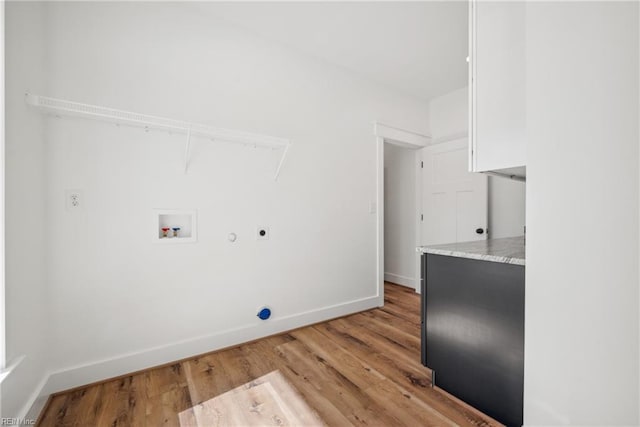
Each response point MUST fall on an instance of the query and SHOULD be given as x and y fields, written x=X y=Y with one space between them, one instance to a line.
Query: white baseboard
x=121 y=365
x=409 y=282
x=24 y=412
x=31 y=410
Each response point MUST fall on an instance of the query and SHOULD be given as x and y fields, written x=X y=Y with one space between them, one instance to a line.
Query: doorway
x=401 y=201
x=412 y=142
x=450 y=204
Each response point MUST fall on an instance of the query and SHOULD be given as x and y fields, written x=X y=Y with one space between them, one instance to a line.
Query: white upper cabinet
x=497 y=72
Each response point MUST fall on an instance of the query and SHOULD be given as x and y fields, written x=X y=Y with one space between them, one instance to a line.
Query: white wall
x=120 y=303
x=506 y=207
x=27 y=324
x=581 y=324
x=449 y=120
x=399 y=215
x=449 y=115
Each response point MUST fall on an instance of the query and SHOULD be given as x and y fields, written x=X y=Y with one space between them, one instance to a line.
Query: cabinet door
x=473 y=332
x=497 y=75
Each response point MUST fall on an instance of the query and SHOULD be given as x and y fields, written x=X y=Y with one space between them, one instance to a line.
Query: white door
x=454 y=200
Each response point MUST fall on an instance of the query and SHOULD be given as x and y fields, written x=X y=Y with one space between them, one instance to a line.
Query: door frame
x=407 y=139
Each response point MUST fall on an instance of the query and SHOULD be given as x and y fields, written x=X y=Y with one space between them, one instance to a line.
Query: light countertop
x=510 y=250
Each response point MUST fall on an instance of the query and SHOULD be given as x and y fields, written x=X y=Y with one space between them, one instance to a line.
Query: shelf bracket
x=282 y=157
x=187 y=149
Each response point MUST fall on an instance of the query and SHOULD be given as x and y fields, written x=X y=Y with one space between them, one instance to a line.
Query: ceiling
x=417 y=48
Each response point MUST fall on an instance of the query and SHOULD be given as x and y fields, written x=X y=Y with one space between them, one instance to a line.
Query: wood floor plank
x=69 y=407
x=164 y=409
x=379 y=342
x=188 y=418
x=401 y=297
x=402 y=403
x=402 y=302
x=299 y=412
x=265 y=401
x=238 y=369
x=88 y=406
x=138 y=400
x=326 y=410
x=167 y=395
x=387 y=365
x=403 y=312
x=267 y=356
x=115 y=409
x=162 y=380
x=394 y=322
x=206 y=377
x=401 y=338
x=55 y=411
x=362 y=369
x=355 y=405
x=353 y=368
x=392 y=290
x=410 y=376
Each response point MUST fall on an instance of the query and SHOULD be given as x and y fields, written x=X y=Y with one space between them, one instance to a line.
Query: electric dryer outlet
x=262 y=233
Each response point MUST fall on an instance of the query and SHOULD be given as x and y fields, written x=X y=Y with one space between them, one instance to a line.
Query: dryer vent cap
x=264 y=313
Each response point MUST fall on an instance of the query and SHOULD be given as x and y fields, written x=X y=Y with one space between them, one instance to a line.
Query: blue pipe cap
x=264 y=313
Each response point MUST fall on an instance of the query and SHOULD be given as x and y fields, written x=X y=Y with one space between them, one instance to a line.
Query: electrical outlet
x=74 y=199
x=262 y=233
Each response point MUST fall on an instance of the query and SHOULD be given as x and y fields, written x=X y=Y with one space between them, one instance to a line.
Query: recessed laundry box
x=174 y=226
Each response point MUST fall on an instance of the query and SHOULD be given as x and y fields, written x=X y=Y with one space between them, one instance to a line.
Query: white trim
x=472 y=87
x=418 y=219
x=409 y=282
x=380 y=220
x=35 y=403
x=3 y=322
x=403 y=138
x=126 y=363
x=451 y=145
x=10 y=367
x=450 y=137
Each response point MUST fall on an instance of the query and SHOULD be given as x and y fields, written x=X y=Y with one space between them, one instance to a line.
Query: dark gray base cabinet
x=473 y=332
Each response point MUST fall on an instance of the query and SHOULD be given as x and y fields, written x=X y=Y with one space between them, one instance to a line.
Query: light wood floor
x=362 y=369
